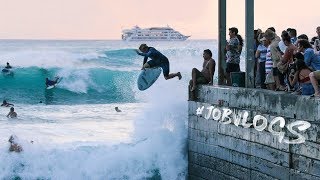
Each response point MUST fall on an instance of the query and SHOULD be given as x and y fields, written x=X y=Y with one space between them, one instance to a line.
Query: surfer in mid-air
x=51 y=82
x=157 y=60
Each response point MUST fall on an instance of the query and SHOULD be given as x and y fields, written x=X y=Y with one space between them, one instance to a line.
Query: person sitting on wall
x=206 y=74
x=302 y=76
x=314 y=78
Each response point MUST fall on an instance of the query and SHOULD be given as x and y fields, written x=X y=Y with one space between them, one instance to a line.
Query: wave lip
x=78 y=86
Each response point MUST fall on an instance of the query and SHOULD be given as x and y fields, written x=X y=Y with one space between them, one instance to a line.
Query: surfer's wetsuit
x=50 y=82
x=157 y=60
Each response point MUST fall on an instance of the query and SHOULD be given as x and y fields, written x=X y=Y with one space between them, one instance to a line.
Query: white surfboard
x=147 y=77
x=50 y=87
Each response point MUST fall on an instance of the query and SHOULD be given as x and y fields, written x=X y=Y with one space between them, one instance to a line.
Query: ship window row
x=150 y=38
x=155 y=33
x=158 y=35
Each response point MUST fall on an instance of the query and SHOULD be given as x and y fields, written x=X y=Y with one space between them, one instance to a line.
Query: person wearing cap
x=234 y=48
x=157 y=60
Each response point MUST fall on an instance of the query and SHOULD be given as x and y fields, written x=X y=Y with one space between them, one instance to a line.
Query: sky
x=105 y=19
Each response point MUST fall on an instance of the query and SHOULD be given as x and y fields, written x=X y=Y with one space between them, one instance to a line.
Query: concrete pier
x=229 y=147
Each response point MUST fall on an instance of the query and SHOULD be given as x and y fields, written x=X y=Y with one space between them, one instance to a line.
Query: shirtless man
x=206 y=74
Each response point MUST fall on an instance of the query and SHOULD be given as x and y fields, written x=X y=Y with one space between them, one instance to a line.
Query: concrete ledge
x=263 y=101
x=231 y=151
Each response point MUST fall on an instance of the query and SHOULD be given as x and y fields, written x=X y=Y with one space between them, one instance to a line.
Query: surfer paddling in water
x=157 y=60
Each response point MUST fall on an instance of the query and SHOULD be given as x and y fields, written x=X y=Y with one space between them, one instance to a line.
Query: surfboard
x=6 y=71
x=50 y=87
x=147 y=77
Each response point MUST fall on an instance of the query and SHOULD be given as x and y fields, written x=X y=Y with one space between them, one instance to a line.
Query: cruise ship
x=152 y=34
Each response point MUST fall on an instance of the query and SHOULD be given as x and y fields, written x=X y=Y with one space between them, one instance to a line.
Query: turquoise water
x=78 y=86
x=100 y=83
x=76 y=132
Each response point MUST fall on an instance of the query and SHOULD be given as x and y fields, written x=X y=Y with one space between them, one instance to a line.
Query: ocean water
x=75 y=130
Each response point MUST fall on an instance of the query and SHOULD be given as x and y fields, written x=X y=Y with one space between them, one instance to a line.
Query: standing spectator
x=287 y=58
x=293 y=35
x=234 y=49
x=281 y=44
x=261 y=54
x=275 y=56
x=268 y=66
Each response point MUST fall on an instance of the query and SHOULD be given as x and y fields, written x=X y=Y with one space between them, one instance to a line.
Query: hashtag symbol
x=199 y=111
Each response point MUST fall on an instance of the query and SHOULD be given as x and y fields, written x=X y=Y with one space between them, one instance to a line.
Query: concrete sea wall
x=239 y=133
